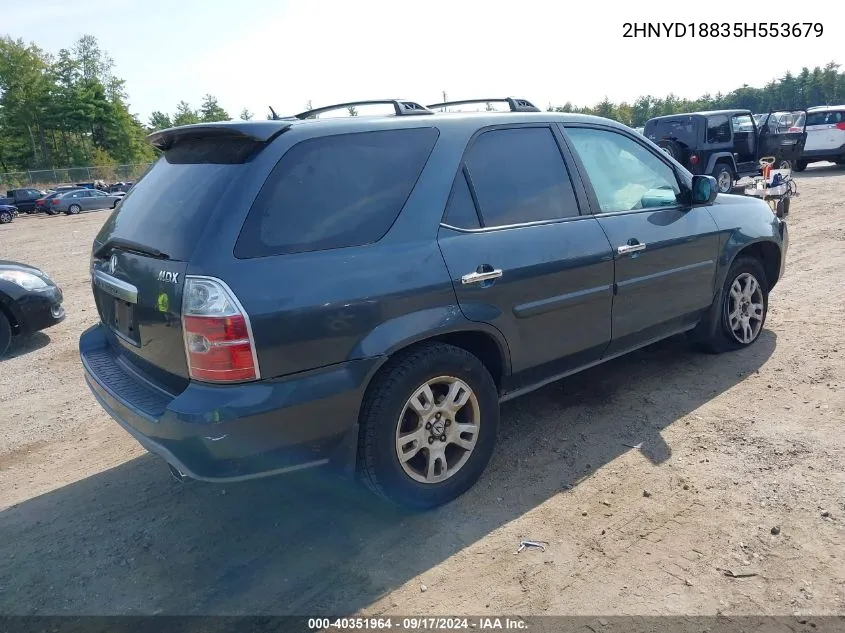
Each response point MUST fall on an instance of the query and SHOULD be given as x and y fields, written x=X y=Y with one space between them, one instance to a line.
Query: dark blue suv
x=363 y=292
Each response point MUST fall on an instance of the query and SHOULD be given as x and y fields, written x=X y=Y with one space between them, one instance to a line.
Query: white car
x=825 y=128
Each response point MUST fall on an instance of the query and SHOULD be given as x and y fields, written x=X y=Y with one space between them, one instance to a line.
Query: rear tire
x=673 y=148
x=800 y=165
x=738 y=305
x=724 y=177
x=397 y=405
x=5 y=334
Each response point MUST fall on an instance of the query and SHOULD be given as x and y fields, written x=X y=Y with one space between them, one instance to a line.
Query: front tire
x=6 y=217
x=73 y=209
x=738 y=315
x=428 y=426
x=724 y=178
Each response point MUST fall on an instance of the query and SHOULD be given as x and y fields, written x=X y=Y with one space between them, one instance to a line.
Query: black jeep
x=726 y=144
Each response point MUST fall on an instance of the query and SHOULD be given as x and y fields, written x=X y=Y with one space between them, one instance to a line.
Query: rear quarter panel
x=311 y=310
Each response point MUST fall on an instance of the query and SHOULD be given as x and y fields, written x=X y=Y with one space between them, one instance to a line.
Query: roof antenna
x=273 y=112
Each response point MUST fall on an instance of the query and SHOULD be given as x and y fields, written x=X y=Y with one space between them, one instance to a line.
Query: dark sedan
x=7 y=213
x=29 y=301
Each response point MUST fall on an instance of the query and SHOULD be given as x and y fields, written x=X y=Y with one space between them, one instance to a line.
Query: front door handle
x=485 y=273
x=627 y=249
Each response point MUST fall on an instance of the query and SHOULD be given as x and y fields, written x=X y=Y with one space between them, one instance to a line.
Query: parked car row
x=728 y=144
x=69 y=199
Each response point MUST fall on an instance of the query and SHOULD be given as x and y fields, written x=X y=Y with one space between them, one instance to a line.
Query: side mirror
x=704 y=190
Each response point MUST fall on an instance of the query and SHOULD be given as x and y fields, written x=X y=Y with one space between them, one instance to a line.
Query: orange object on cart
x=767 y=170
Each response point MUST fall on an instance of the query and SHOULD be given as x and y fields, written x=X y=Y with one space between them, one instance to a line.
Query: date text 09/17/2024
x=421 y=623
x=722 y=29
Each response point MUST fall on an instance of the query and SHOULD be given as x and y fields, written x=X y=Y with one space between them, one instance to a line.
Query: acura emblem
x=112 y=264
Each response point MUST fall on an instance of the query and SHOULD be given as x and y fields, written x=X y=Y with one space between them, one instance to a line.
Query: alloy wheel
x=438 y=429
x=746 y=308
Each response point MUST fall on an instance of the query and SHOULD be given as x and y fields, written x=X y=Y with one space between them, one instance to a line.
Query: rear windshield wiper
x=129 y=245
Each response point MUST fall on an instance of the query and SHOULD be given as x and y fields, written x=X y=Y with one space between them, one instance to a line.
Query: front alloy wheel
x=437 y=430
x=746 y=308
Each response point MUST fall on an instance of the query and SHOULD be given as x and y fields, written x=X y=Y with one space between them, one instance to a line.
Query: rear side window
x=519 y=176
x=825 y=118
x=718 y=129
x=461 y=211
x=335 y=192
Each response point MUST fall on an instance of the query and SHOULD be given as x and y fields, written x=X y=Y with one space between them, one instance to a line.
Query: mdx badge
x=168 y=277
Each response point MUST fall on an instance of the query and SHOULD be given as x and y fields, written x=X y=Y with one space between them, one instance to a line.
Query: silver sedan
x=72 y=202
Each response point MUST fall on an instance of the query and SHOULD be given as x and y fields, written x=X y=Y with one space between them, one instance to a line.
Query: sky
x=256 y=53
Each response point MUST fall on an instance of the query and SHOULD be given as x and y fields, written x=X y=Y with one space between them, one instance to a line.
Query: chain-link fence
x=71 y=176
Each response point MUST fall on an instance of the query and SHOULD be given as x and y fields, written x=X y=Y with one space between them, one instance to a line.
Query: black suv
x=364 y=291
x=727 y=144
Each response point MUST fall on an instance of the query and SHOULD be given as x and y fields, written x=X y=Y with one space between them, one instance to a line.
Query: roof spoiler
x=401 y=107
x=515 y=105
x=258 y=131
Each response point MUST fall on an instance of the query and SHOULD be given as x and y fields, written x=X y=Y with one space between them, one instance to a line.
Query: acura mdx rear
x=224 y=343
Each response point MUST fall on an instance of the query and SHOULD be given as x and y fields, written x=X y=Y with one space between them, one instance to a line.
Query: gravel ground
x=650 y=477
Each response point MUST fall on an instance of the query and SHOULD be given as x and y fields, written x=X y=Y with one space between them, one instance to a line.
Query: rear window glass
x=168 y=208
x=825 y=118
x=683 y=129
x=335 y=191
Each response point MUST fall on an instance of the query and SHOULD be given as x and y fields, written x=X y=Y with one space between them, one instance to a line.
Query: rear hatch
x=141 y=255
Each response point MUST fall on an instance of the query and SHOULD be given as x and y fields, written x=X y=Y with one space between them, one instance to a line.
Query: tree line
x=819 y=86
x=70 y=109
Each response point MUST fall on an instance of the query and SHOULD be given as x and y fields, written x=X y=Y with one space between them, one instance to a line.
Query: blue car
x=362 y=293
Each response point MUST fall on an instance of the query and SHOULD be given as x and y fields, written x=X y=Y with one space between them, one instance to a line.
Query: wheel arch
x=720 y=157
x=447 y=325
x=767 y=252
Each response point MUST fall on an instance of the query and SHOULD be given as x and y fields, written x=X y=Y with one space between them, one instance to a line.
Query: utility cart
x=775 y=186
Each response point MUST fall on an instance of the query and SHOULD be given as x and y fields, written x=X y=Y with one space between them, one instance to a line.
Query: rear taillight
x=218 y=339
x=793 y=130
x=55 y=201
x=693 y=160
x=840 y=126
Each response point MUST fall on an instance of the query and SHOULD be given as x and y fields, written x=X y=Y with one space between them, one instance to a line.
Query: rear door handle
x=486 y=275
x=627 y=249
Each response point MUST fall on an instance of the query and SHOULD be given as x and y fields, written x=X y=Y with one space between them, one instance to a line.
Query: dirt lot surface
x=732 y=448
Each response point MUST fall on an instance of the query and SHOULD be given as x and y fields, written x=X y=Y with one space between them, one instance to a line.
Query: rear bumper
x=832 y=154
x=233 y=432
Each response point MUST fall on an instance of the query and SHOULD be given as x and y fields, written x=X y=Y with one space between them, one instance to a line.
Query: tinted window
x=519 y=176
x=335 y=191
x=625 y=175
x=168 y=208
x=461 y=211
x=718 y=129
x=825 y=118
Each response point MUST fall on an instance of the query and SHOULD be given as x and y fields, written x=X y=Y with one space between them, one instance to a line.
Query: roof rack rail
x=401 y=107
x=516 y=105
